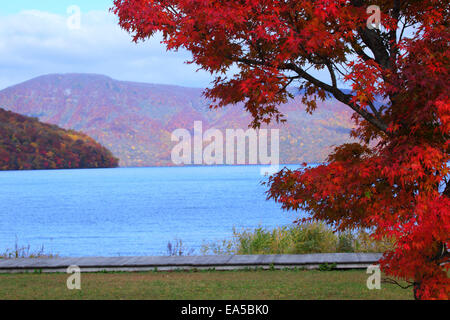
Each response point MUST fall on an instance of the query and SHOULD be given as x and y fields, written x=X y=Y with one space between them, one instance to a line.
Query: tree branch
x=392 y=281
x=338 y=94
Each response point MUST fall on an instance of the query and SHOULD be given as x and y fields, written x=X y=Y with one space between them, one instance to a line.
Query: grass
x=212 y=285
x=302 y=239
x=205 y=285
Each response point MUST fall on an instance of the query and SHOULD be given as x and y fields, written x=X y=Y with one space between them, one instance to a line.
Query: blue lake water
x=131 y=211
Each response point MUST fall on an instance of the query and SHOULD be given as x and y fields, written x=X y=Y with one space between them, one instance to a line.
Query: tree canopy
x=394 y=181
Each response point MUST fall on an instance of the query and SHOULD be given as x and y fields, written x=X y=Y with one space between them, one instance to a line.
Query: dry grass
x=20 y=251
x=302 y=239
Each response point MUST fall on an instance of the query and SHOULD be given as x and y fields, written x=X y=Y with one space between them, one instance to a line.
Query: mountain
x=26 y=143
x=135 y=120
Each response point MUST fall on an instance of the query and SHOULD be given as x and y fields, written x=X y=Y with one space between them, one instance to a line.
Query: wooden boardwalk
x=235 y=262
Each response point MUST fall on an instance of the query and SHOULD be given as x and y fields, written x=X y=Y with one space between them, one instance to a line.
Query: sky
x=40 y=37
x=54 y=6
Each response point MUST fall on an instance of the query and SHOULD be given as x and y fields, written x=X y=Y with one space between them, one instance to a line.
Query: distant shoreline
x=174 y=166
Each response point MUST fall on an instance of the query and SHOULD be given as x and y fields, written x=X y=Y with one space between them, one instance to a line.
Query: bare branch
x=392 y=281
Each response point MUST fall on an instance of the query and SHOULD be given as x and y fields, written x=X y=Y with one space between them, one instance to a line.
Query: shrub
x=297 y=239
x=177 y=248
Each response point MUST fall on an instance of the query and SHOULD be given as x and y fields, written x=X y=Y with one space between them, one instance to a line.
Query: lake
x=131 y=211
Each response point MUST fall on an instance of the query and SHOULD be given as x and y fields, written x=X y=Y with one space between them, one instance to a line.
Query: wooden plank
x=231 y=262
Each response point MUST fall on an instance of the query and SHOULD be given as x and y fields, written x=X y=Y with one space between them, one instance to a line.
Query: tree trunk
x=416 y=290
x=447 y=190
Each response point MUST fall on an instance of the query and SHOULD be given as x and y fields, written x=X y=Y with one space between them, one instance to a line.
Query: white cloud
x=33 y=43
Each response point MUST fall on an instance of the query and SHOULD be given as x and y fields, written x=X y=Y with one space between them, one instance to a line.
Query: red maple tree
x=394 y=181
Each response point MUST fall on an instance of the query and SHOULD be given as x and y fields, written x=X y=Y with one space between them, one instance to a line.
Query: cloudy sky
x=38 y=37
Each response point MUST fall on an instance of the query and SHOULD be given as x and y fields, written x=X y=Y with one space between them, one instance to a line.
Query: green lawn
x=227 y=285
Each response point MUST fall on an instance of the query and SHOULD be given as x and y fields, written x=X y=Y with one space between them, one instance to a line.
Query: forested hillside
x=26 y=143
x=135 y=120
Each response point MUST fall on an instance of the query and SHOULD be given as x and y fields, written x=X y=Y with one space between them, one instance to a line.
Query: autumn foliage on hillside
x=135 y=120
x=394 y=180
x=26 y=143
